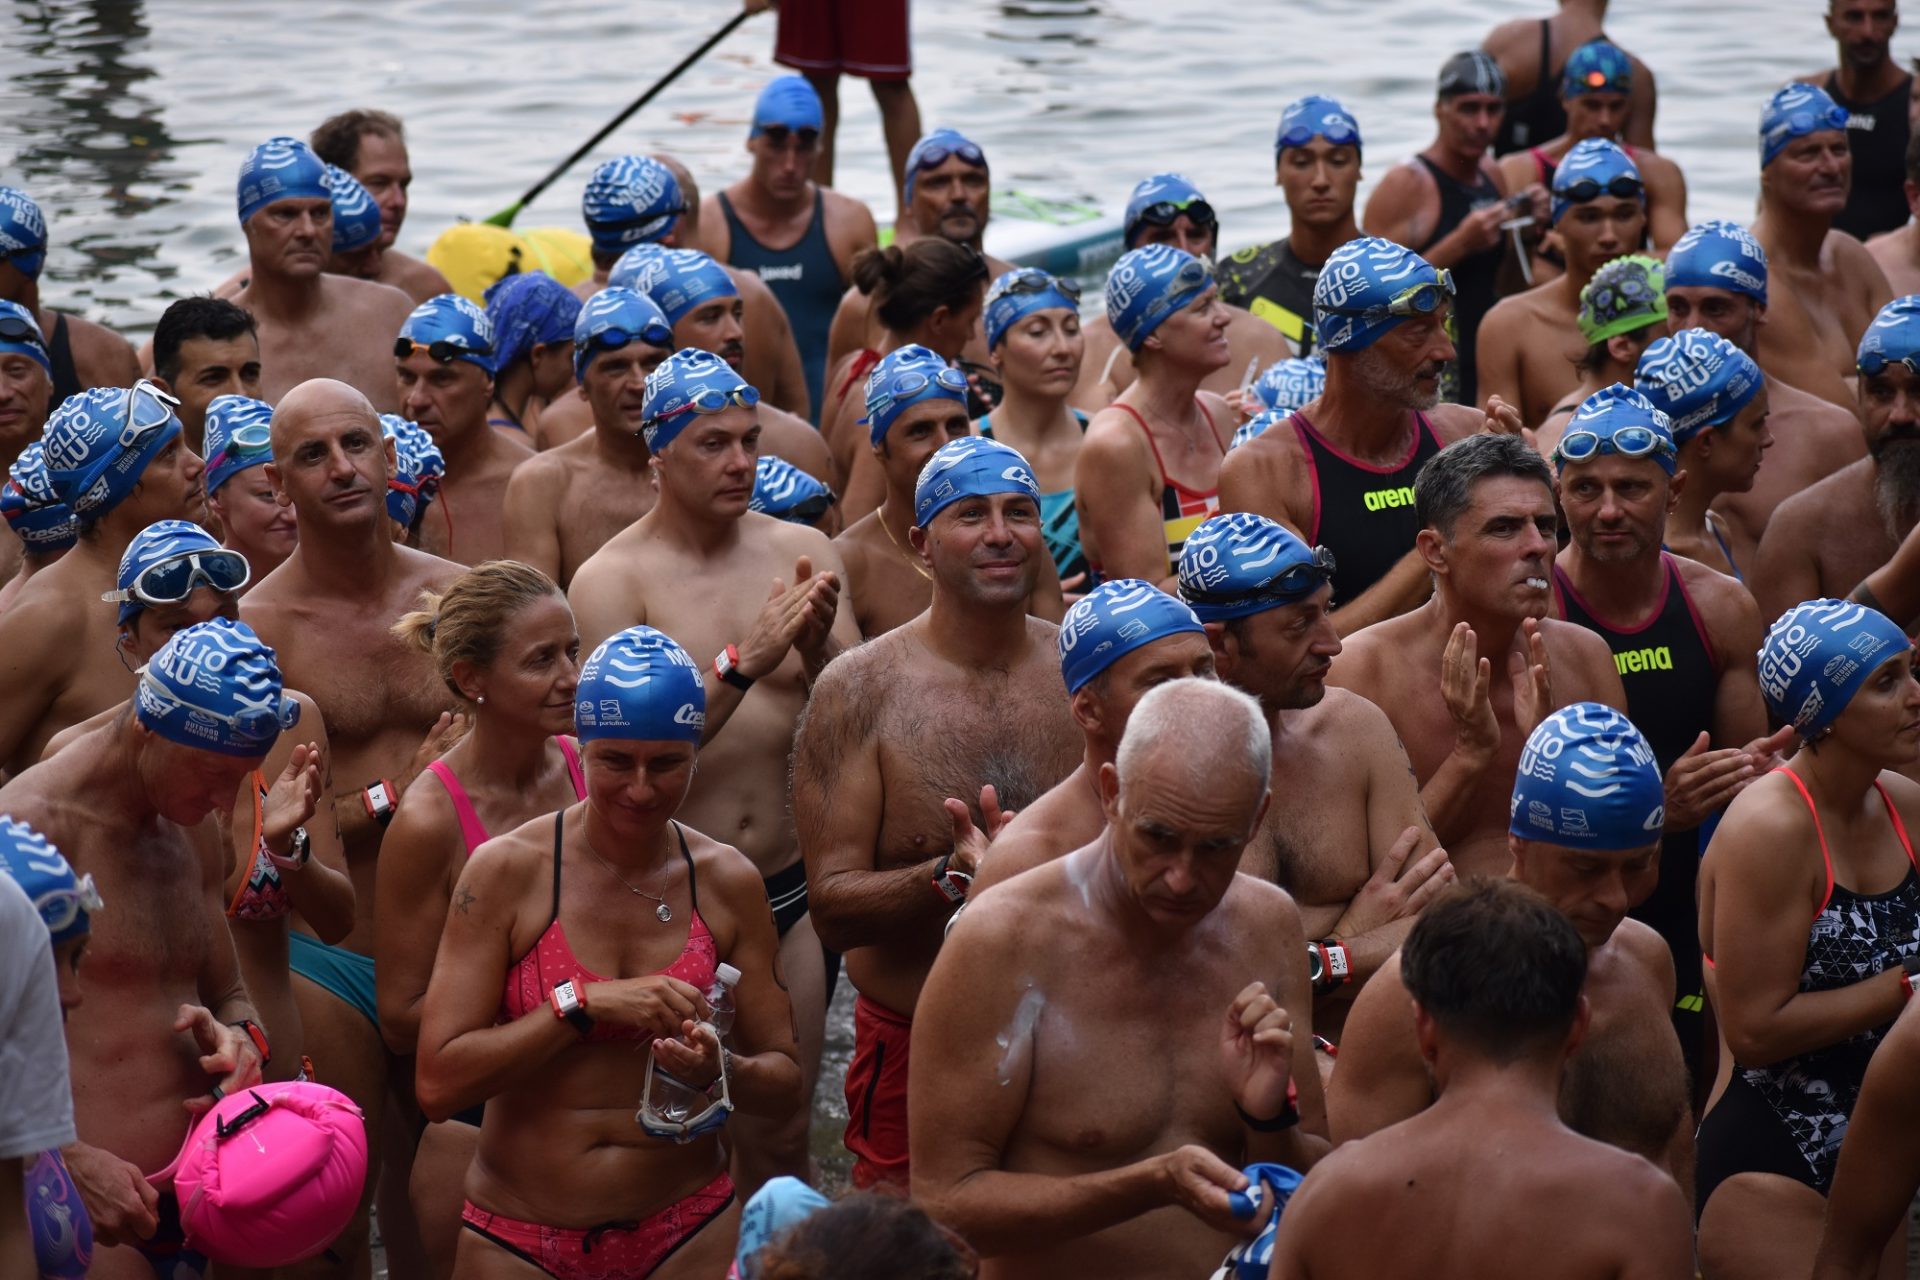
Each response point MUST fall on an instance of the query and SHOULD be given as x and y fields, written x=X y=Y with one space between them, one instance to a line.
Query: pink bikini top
x=531 y=980
x=472 y=830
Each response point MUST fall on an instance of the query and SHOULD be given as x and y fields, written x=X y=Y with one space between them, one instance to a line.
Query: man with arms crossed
x=1585 y=834
x=1489 y=1177
x=311 y=323
x=167 y=1017
x=1487 y=526
x=696 y=566
x=965 y=700
x=1105 y=1040
x=327 y=610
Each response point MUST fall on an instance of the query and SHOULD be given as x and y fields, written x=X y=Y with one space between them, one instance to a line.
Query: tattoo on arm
x=463 y=899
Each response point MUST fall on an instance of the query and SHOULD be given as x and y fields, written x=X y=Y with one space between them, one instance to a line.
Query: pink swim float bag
x=271 y=1175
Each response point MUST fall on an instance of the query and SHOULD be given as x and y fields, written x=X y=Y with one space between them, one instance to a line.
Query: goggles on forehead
x=15 y=329
x=1874 y=363
x=1629 y=442
x=613 y=337
x=60 y=908
x=149 y=409
x=1420 y=300
x=1293 y=583
x=1341 y=135
x=440 y=350
x=940 y=153
x=1034 y=280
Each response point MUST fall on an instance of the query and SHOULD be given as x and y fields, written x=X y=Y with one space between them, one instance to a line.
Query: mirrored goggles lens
x=14 y=329
x=1628 y=442
x=714 y=400
x=1301 y=134
x=1198 y=212
x=1291 y=584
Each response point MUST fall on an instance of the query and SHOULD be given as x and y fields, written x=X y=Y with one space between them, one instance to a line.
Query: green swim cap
x=1627 y=294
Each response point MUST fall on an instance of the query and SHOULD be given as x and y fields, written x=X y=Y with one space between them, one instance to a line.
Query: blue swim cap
x=215 y=686
x=1149 y=284
x=939 y=146
x=1240 y=564
x=1256 y=426
x=23 y=232
x=1595 y=160
x=1357 y=286
x=159 y=542
x=456 y=321
x=785 y=492
x=1114 y=619
x=788 y=102
x=1606 y=413
x=681 y=280
x=1292 y=384
x=418 y=467
x=639 y=268
x=1019 y=293
x=970 y=467
x=32 y=509
x=1795 y=112
x=1588 y=780
x=528 y=309
x=1316 y=116
x=239 y=434
x=1598 y=66
x=640 y=685
x=1892 y=338
x=611 y=319
x=64 y=900
x=1817 y=655
x=777 y=1205
x=26 y=338
x=281 y=168
x=1698 y=378
x=95 y=455
x=1163 y=188
x=630 y=200
x=904 y=377
x=1719 y=255
x=687 y=383
x=356 y=218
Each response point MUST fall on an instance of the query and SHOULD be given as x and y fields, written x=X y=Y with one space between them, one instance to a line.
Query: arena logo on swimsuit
x=794 y=272
x=1658 y=658
x=1386 y=499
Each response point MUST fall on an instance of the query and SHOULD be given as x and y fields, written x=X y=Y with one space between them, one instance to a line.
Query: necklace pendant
x=664 y=912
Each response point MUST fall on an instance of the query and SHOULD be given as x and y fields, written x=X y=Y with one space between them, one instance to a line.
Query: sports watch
x=256 y=1033
x=1328 y=965
x=726 y=665
x=299 y=850
x=380 y=798
x=949 y=881
x=569 y=1003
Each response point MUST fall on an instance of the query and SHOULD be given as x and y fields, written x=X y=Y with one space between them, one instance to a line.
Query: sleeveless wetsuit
x=1473 y=276
x=1877 y=134
x=629 y=1250
x=805 y=279
x=66 y=375
x=1540 y=116
x=1362 y=513
x=1272 y=282
x=1059 y=521
x=1790 y=1118
x=1182 y=510
x=1668 y=667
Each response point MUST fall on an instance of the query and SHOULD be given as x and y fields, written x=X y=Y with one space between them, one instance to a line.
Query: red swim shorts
x=877 y=1095
x=867 y=38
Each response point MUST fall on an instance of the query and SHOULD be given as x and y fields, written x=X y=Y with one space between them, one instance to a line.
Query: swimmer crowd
x=1387 y=753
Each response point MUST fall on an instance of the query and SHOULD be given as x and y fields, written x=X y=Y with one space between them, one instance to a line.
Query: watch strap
x=299 y=851
x=1289 y=1114
x=256 y=1033
x=726 y=665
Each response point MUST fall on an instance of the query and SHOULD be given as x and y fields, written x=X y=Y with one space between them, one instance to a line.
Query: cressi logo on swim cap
x=970 y=467
x=1719 y=255
x=639 y=684
x=1817 y=655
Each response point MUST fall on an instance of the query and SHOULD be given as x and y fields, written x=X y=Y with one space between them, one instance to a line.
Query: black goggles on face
x=14 y=329
x=1287 y=587
x=1198 y=212
x=440 y=350
x=1621 y=186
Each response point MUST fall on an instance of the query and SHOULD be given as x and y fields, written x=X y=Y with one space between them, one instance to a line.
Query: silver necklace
x=663 y=912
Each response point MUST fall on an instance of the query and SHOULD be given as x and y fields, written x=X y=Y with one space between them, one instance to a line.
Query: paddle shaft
x=534 y=191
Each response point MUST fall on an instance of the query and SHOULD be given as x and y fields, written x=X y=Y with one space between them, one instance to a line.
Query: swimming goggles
x=1344 y=134
x=1034 y=280
x=911 y=382
x=1585 y=189
x=149 y=409
x=60 y=908
x=1421 y=300
x=14 y=329
x=441 y=350
x=685 y=1129
x=1628 y=442
x=613 y=338
x=713 y=400
x=940 y=153
x=1874 y=363
x=1192 y=276
x=1290 y=585
x=255 y=722
x=1199 y=212
x=809 y=510
x=1803 y=122
x=172 y=580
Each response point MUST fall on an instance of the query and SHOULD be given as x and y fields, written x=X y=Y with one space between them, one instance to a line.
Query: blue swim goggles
x=172 y=580
x=259 y=724
x=1874 y=363
x=911 y=382
x=15 y=329
x=612 y=338
x=1628 y=442
x=60 y=908
x=1345 y=134
x=1286 y=587
x=939 y=153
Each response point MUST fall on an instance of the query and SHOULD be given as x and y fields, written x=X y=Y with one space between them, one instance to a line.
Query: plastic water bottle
x=720 y=999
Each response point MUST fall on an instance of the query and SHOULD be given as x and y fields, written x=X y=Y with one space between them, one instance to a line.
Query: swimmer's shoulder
x=1345 y=716
x=366 y=296
x=1905 y=793
x=1725 y=605
x=418 y=280
x=1642 y=946
x=422 y=569
x=724 y=866
x=511 y=862
x=1825 y=501
x=1455 y=421
x=1261 y=908
x=1769 y=808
